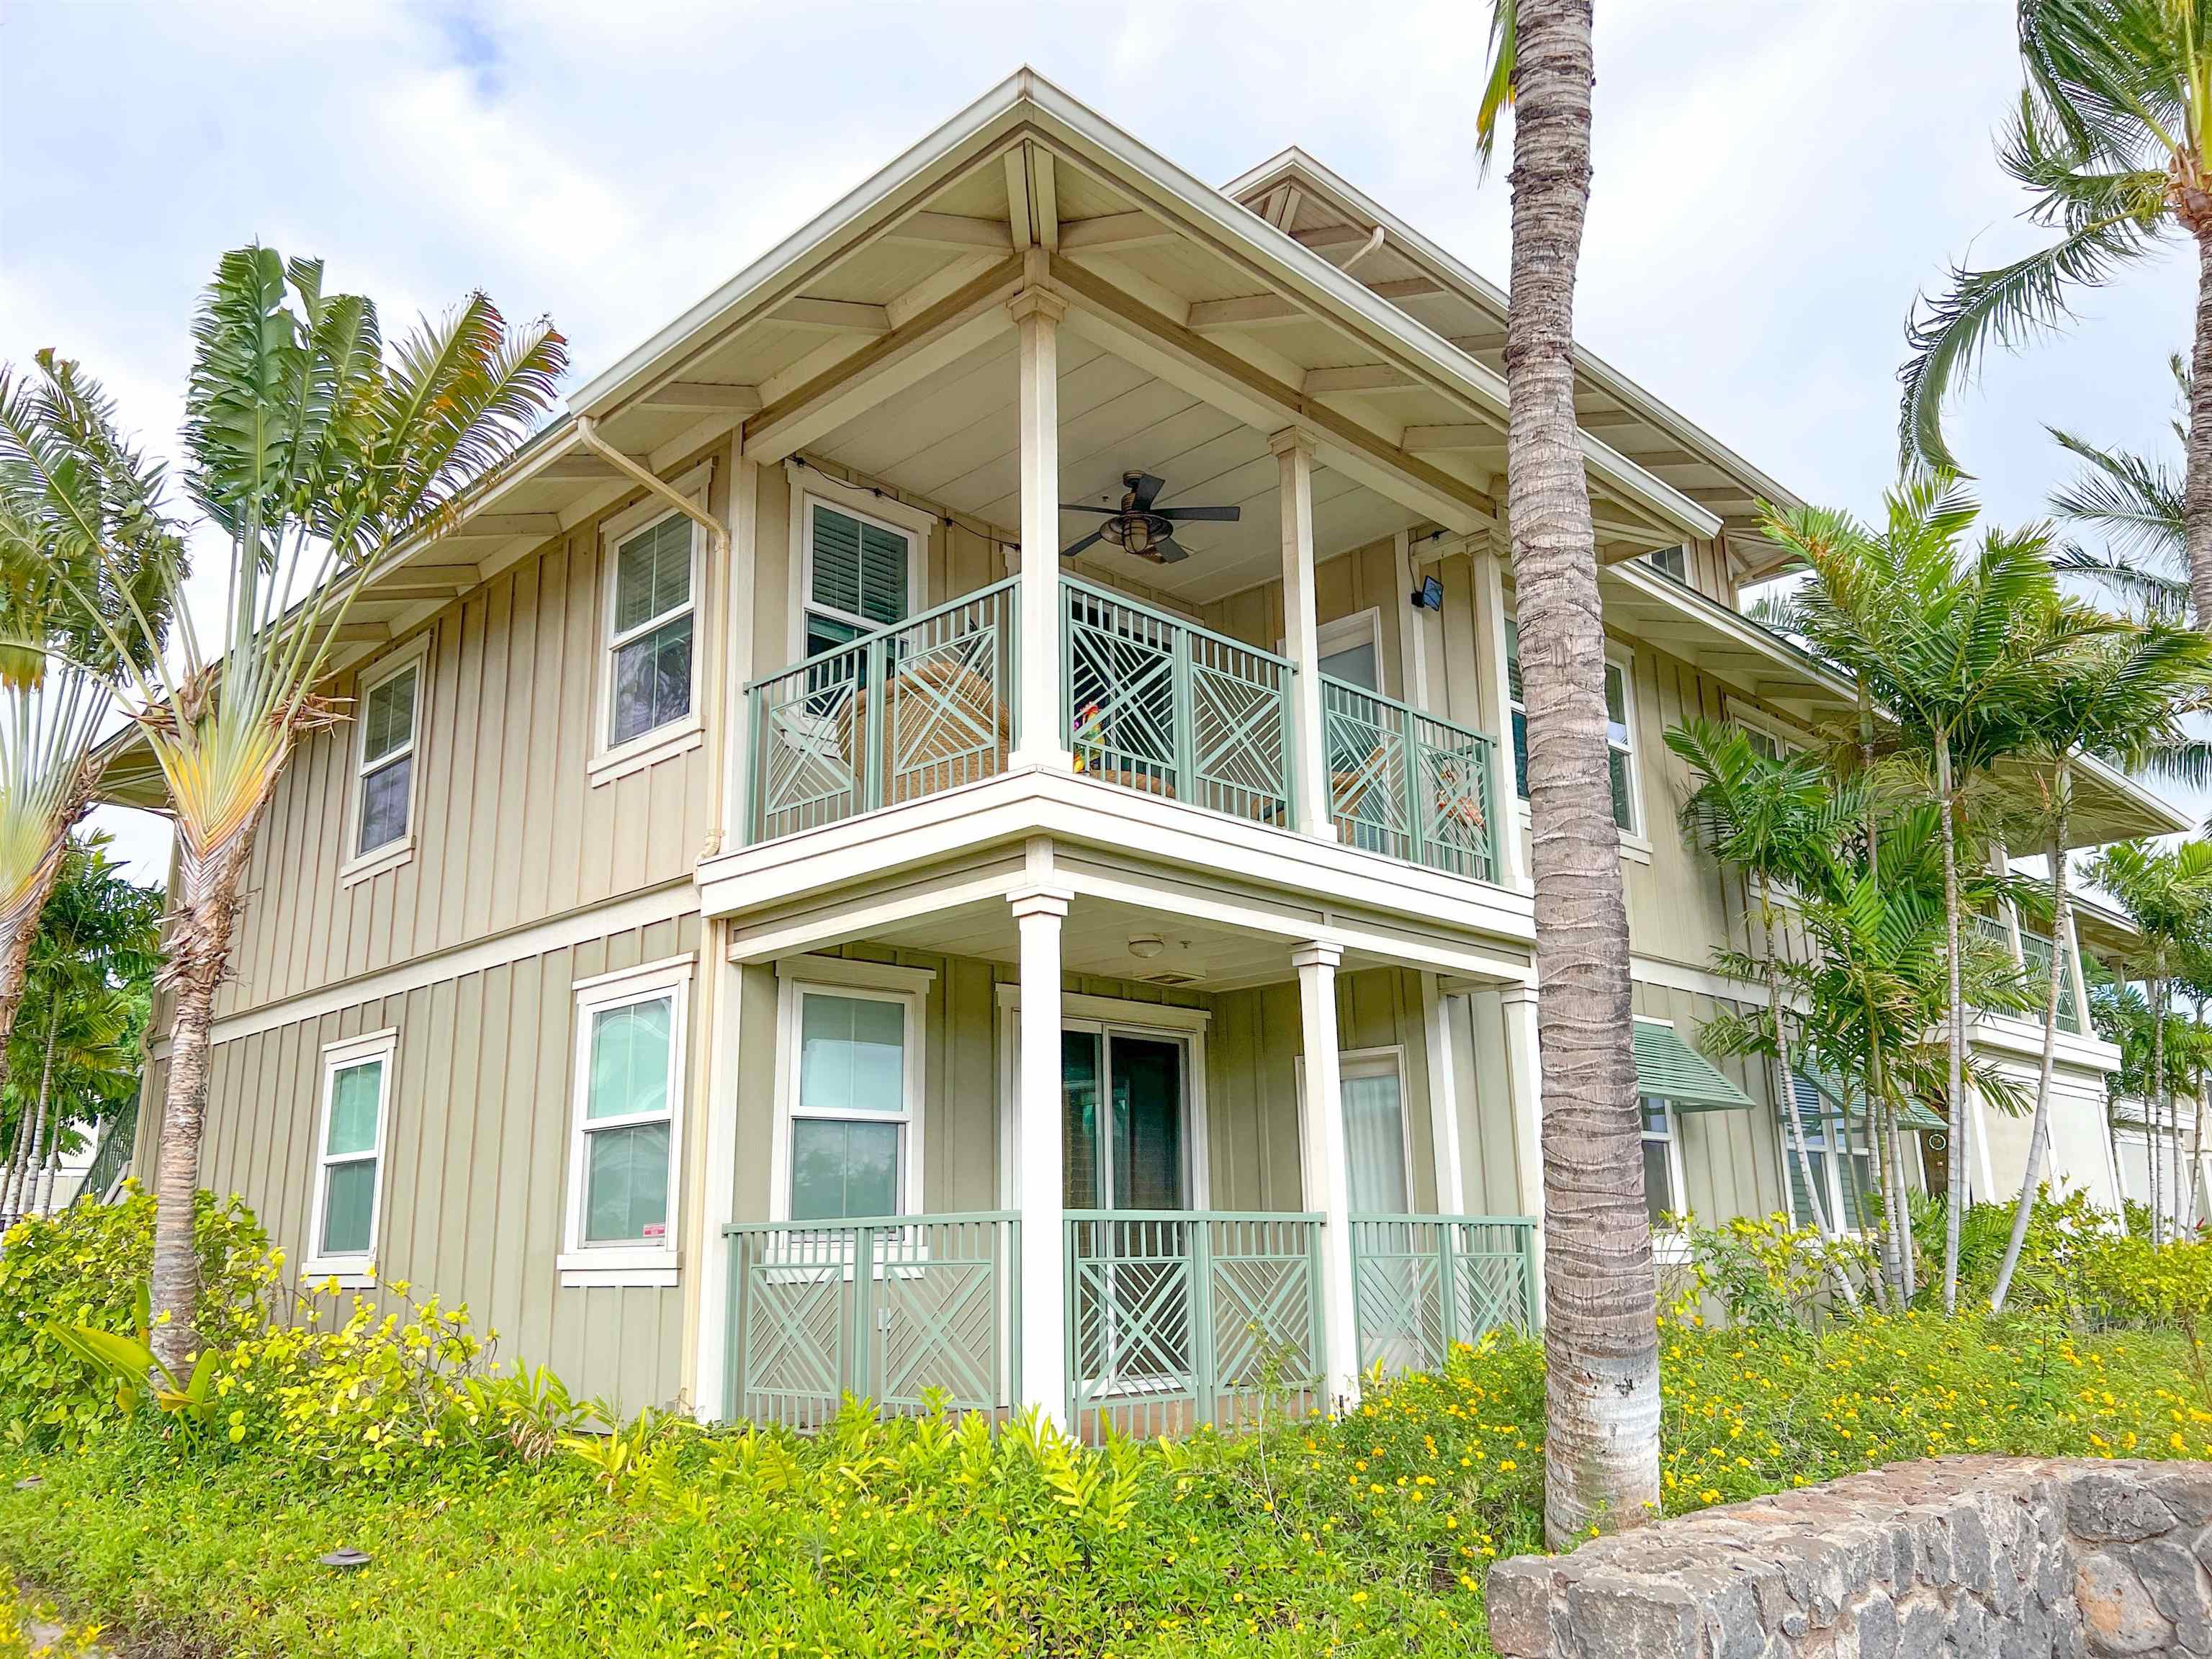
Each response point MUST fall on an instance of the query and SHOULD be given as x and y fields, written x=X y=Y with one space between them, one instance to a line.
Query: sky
x=1774 y=181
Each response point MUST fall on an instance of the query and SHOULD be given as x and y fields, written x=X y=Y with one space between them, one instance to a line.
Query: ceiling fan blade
x=1146 y=488
x=1194 y=514
x=1169 y=550
x=1087 y=506
x=1070 y=552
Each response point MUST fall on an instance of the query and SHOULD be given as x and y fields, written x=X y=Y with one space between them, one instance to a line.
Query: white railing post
x=1039 y=912
x=1326 y=1163
x=1039 y=734
x=1293 y=448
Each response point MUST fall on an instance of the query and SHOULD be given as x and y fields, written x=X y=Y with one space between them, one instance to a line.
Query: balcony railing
x=1422 y=1283
x=895 y=715
x=1405 y=783
x=1160 y=705
x=1182 y=1317
x=1174 y=1318
x=897 y=1310
x=1149 y=701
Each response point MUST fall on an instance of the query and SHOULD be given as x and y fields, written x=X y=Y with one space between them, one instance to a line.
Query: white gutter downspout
x=718 y=559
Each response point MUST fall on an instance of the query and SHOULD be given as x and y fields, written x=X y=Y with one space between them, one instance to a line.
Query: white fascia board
x=2174 y=821
x=1734 y=626
x=1478 y=288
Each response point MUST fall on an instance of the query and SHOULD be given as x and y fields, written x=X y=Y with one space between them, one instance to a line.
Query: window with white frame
x=391 y=710
x=1377 y=1164
x=1673 y=561
x=628 y=1107
x=650 y=628
x=1842 y=1164
x=1663 y=1193
x=1517 y=707
x=850 y=1107
x=350 y=1155
x=859 y=576
x=1620 y=746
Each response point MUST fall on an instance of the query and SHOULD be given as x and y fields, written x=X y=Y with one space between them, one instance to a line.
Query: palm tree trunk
x=24 y=1177
x=1601 y=1331
x=2152 y=1093
x=1787 y=1094
x=1955 y=1203
x=200 y=950
x=2197 y=518
x=2196 y=1155
x=15 y=1157
x=2062 y=955
x=19 y=924
x=1896 y=1234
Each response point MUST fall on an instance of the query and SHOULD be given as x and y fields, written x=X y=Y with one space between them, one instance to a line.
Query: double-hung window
x=650 y=637
x=627 y=1124
x=349 y=1156
x=850 y=1112
x=1517 y=707
x=389 y=720
x=1663 y=1193
x=1620 y=747
x=860 y=575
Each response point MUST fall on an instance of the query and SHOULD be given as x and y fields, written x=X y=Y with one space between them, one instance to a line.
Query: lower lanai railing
x=900 y=1310
x=1176 y=1319
x=1422 y=1283
x=1182 y=1317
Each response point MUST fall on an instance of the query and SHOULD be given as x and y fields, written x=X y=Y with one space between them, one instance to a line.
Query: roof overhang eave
x=1026 y=99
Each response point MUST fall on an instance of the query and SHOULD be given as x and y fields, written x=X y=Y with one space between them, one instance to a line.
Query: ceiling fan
x=1139 y=527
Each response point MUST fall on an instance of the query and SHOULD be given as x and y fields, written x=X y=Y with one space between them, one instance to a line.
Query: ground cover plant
x=494 y=1521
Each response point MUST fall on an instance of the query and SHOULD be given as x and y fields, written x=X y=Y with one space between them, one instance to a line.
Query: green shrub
x=88 y=1265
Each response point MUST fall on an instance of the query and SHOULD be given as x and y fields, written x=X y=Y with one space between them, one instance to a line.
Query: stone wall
x=2016 y=1558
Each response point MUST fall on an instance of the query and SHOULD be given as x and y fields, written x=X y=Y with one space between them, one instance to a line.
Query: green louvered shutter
x=1670 y=1068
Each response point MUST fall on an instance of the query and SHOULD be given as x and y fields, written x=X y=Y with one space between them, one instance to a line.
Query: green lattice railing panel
x=1159 y=705
x=1423 y=1283
x=1408 y=785
x=1180 y=1317
x=826 y=744
x=892 y=1309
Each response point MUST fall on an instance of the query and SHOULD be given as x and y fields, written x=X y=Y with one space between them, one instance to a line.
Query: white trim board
x=664 y=903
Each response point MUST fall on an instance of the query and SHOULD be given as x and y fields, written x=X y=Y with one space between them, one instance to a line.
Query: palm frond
x=1498 y=82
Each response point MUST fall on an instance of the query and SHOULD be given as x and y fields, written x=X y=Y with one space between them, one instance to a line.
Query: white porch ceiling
x=953 y=441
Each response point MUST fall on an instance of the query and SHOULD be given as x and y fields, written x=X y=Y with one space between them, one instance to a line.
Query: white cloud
x=1774 y=179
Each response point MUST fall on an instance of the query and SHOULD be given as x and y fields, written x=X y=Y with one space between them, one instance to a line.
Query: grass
x=1364 y=1535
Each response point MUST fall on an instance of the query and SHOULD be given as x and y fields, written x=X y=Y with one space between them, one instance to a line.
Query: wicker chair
x=944 y=725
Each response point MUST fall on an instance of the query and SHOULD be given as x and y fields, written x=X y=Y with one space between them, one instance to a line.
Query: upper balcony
x=1143 y=700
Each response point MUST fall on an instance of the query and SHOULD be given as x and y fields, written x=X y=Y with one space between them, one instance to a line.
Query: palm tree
x=2121 y=698
x=1874 y=982
x=1601 y=1339
x=319 y=458
x=74 y=497
x=2109 y=138
x=74 y=1054
x=2140 y=504
x=1774 y=817
x=2167 y=893
x=1955 y=644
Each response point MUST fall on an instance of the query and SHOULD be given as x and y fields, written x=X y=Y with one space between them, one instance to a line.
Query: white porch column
x=1039 y=739
x=1498 y=698
x=1293 y=447
x=1524 y=1065
x=716 y=1184
x=1443 y=1097
x=1039 y=912
x=1327 y=1164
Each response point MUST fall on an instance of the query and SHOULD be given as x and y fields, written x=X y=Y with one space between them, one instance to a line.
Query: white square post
x=1293 y=447
x=1524 y=1067
x=1326 y=1160
x=1038 y=913
x=1489 y=567
x=1040 y=735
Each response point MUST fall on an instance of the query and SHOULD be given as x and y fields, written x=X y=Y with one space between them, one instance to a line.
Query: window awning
x=1670 y=1068
x=1820 y=1095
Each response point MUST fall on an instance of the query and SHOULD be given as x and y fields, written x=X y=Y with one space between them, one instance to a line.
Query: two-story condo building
x=839 y=880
